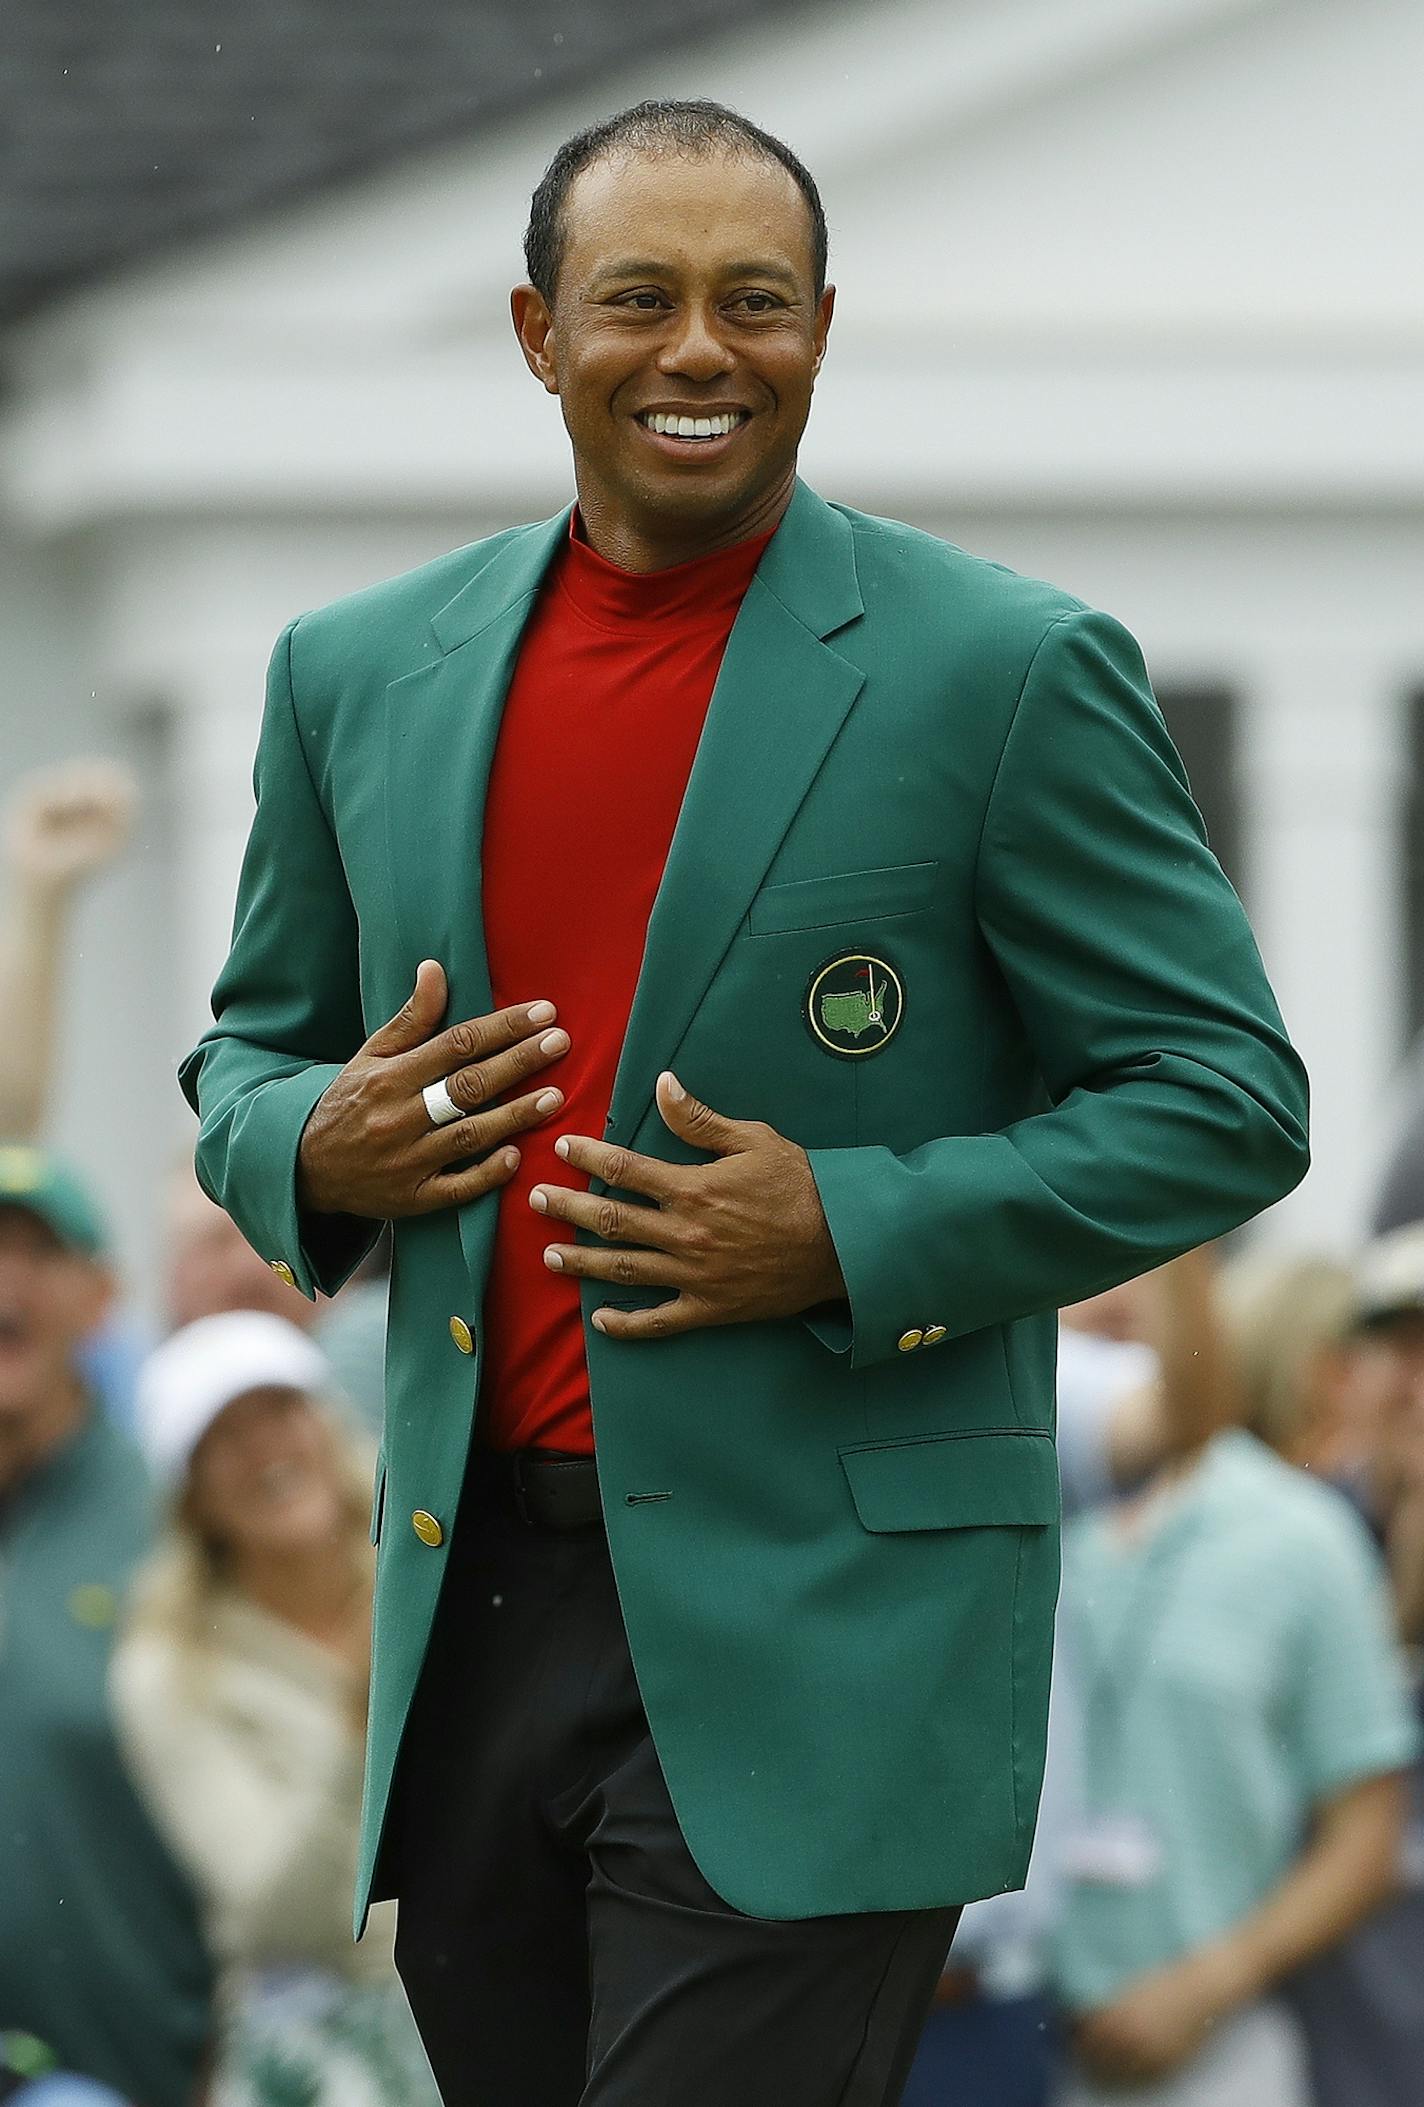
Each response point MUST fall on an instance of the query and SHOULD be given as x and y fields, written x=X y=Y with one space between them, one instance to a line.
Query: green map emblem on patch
x=854 y=1004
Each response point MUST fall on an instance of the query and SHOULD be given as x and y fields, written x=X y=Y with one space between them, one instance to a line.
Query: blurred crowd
x=185 y=1604
x=1226 y=1902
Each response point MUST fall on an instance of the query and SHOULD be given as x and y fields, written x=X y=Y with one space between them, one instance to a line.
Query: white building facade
x=1129 y=299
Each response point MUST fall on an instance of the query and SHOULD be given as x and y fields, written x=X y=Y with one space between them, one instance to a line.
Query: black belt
x=545 y=1488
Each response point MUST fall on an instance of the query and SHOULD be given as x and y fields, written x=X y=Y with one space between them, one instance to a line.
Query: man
x=101 y=1952
x=965 y=1023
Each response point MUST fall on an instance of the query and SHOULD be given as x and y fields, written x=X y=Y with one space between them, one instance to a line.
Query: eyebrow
x=644 y=267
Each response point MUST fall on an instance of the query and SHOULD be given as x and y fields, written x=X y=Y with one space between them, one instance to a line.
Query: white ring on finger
x=439 y=1104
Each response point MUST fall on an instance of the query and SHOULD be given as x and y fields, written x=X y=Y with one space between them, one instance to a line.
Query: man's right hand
x=369 y=1148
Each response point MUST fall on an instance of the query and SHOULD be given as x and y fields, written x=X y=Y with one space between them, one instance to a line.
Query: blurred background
x=1129 y=298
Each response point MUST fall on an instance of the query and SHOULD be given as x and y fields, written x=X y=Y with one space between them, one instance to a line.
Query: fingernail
x=553 y=1259
x=539 y=1200
x=554 y=1042
x=674 y=1088
x=561 y=1147
x=597 y=1321
x=548 y=1101
x=511 y=1159
x=542 y=1013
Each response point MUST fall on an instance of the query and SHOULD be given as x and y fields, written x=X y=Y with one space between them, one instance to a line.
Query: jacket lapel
x=780 y=699
x=441 y=725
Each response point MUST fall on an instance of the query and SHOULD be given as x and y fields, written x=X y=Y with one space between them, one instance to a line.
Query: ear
x=534 y=327
x=825 y=308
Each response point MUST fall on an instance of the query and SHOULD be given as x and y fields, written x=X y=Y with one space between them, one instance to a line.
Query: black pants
x=556 y=1941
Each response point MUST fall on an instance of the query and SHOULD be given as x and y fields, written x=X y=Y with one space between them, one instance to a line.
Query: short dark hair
x=692 y=128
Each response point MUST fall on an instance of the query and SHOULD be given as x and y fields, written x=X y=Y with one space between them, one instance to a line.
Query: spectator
x=1134 y=1386
x=1387 y=1473
x=1245 y=1730
x=240 y=1686
x=1362 y=2006
x=101 y=1952
x=61 y=825
x=211 y=1267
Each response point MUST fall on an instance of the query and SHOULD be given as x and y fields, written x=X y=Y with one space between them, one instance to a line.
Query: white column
x=1324 y=755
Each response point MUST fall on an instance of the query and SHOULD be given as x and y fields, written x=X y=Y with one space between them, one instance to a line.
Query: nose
x=693 y=347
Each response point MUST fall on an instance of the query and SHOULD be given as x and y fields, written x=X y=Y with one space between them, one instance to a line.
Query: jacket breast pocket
x=954 y=1481
x=844 y=896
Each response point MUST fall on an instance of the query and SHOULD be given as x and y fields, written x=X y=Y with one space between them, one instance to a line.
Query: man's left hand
x=740 y=1238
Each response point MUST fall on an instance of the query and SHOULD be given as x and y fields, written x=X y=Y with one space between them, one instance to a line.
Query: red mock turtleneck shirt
x=600 y=725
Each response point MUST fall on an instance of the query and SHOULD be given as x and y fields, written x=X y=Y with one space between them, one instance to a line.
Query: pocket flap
x=846 y=896
x=954 y=1481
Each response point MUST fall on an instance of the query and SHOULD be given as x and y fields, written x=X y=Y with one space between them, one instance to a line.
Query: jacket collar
x=809 y=565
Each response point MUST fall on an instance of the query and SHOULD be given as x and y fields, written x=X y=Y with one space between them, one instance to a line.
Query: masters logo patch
x=854 y=1004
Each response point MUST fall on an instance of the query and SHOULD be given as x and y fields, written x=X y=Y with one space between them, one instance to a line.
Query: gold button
x=934 y=1333
x=283 y=1271
x=462 y=1335
x=427 y=1528
x=910 y=1340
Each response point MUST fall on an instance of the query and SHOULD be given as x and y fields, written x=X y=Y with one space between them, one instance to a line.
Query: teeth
x=693 y=427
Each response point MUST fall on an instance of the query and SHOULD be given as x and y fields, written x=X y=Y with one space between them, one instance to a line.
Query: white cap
x=1390 y=1274
x=187 y=1381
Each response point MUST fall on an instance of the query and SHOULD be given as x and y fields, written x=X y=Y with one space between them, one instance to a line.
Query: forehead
x=252 y=1408
x=690 y=212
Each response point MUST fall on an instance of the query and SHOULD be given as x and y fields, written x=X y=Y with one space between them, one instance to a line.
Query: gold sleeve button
x=283 y=1271
x=462 y=1335
x=910 y=1340
x=427 y=1528
x=934 y=1333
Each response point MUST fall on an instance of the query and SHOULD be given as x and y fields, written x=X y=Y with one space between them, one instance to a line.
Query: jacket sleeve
x=287 y=1014
x=1177 y=1104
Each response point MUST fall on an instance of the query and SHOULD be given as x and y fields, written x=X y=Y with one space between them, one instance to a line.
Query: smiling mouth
x=696 y=430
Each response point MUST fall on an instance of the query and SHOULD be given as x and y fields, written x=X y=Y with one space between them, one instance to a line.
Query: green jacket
x=835 y=1535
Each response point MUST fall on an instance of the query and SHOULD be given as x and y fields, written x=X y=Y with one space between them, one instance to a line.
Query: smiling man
x=764 y=961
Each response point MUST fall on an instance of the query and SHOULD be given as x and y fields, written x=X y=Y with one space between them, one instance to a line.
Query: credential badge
x=854 y=1004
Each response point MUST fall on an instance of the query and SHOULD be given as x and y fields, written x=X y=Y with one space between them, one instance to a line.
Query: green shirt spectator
x=1237 y=1664
x=101 y=1951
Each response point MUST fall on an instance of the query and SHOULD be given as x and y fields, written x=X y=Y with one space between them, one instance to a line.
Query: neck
x=1139 y=1511
x=29 y=1437
x=656 y=545
x=312 y=1586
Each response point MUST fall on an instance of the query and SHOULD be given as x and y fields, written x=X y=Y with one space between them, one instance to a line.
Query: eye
x=645 y=301
x=757 y=303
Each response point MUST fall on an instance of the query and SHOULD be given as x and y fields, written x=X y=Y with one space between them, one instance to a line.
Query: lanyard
x=1112 y=1675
